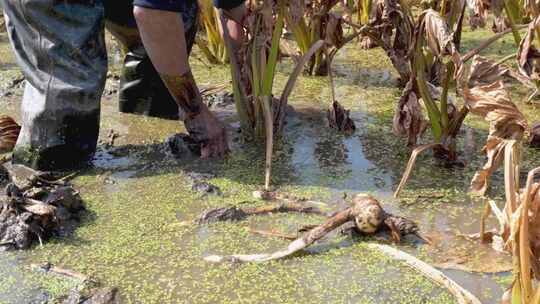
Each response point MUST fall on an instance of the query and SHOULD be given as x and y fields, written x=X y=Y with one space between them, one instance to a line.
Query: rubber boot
x=60 y=48
x=141 y=89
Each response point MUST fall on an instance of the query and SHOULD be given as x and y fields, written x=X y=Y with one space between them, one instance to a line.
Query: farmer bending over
x=60 y=47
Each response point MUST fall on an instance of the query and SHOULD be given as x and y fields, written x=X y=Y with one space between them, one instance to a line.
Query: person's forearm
x=162 y=33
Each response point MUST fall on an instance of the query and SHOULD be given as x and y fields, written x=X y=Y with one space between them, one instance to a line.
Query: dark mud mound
x=182 y=145
x=34 y=206
x=102 y=296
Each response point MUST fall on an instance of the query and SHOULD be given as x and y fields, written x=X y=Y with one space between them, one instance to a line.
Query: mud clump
x=34 y=206
x=339 y=119
x=200 y=185
x=221 y=214
x=182 y=145
x=205 y=188
x=101 y=296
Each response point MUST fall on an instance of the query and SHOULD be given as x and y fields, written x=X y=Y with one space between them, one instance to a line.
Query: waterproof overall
x=60 y=47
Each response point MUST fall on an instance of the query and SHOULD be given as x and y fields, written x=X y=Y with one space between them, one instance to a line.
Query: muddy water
x=139 y=197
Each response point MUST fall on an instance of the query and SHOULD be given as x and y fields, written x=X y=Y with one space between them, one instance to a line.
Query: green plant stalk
x=444 y=99
x=516 y=290
x=257 y=68
x=270 y=69
x=266 y=91
x=455 y=14
x=510 y=190
x=433 y=112
x=269 y=127
x=315 y=30
x=215 y=43
x=204 y=47
x=443 y=8
x=240 y=97
x=513 y=13
x=300 y=33
x=364 y=13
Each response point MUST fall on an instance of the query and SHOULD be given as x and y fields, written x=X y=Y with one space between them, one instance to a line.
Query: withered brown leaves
x=528 y=54
x=479 y=13
x=408 y=118
x=489 y=99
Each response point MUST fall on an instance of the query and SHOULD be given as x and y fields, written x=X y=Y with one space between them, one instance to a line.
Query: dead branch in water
x=274 y=233
x=366 y=214
x=297 y=245
x=462 y=295
x=49 y=268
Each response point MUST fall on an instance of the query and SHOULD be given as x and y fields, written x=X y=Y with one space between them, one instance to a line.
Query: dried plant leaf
x=397 y=36
x=500 y=23
x=479 y=13
x=534 y=225
x=492 y=102
x=408 y=118
x=528 y=54
x=297 y=10
x=494 y=150
x=489 y=71
x=9 y=132
x=437 y=33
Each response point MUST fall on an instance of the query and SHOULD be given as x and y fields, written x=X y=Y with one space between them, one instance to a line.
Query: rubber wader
x=60 y=48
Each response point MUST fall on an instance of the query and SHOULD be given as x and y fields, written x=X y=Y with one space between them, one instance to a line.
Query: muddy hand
x=210 y=132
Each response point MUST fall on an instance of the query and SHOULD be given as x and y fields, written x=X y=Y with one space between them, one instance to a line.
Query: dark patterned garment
x=188 y=8
x=182 y=5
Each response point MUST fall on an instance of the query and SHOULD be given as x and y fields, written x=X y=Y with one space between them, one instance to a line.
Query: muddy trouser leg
x=60 y=48
x=141 y=89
